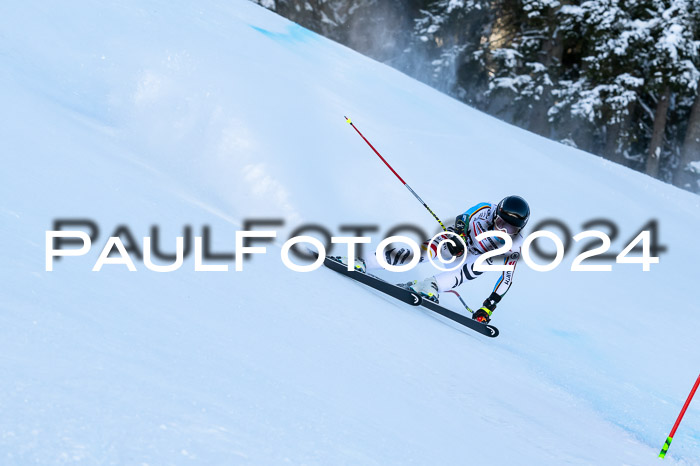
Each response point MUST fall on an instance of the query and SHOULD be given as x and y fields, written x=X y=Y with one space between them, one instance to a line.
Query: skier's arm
x=464 y=224
x=455 y=246
x=503 y=284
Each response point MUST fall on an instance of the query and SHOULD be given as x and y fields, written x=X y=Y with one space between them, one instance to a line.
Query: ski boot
x=427 y=288
x=483 y=315
x=360 y=265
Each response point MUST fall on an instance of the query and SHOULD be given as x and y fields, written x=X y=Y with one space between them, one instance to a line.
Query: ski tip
x=312 y=252
x=417 y=299
x=494 y=331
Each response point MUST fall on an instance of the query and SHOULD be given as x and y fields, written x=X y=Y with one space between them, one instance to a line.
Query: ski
x=402 y=294
x=409 y=297
x=484 y=329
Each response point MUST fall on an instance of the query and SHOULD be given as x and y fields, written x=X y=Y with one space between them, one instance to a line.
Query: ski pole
x=397 y=175
x=664 y=449
x=460 y=298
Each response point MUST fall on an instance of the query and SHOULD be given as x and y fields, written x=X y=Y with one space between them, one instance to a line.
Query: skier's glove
x=484 y=313
x=458 y=229
x=456 y=249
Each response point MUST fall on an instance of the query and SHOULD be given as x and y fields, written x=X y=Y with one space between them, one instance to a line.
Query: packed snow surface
x=211 y=113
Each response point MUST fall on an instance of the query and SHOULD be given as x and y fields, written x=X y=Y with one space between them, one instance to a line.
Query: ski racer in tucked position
x=509 y=216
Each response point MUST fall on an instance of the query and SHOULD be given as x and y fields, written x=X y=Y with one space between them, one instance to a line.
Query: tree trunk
x=690 y=152
x=553 y=50
x=617 y=135
x=657 y=135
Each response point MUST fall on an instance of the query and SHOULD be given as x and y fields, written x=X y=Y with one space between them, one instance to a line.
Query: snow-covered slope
x=213 y=112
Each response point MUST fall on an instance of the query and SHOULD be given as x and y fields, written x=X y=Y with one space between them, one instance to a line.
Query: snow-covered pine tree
x=671 y=71
x=449 y=36
x=687 y=173
x=687 y=170
x=524 y=55
x=636 y=62
x=601 y=88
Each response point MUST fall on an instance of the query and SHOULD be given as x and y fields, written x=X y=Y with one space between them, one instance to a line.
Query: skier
x=509 y=216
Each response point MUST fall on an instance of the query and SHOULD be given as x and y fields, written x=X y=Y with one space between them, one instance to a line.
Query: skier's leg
x=403 y=255
x=393 y=256
x=431 y=287
x=452 y=279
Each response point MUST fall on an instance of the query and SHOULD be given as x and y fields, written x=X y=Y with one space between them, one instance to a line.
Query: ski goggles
x=502 y=225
